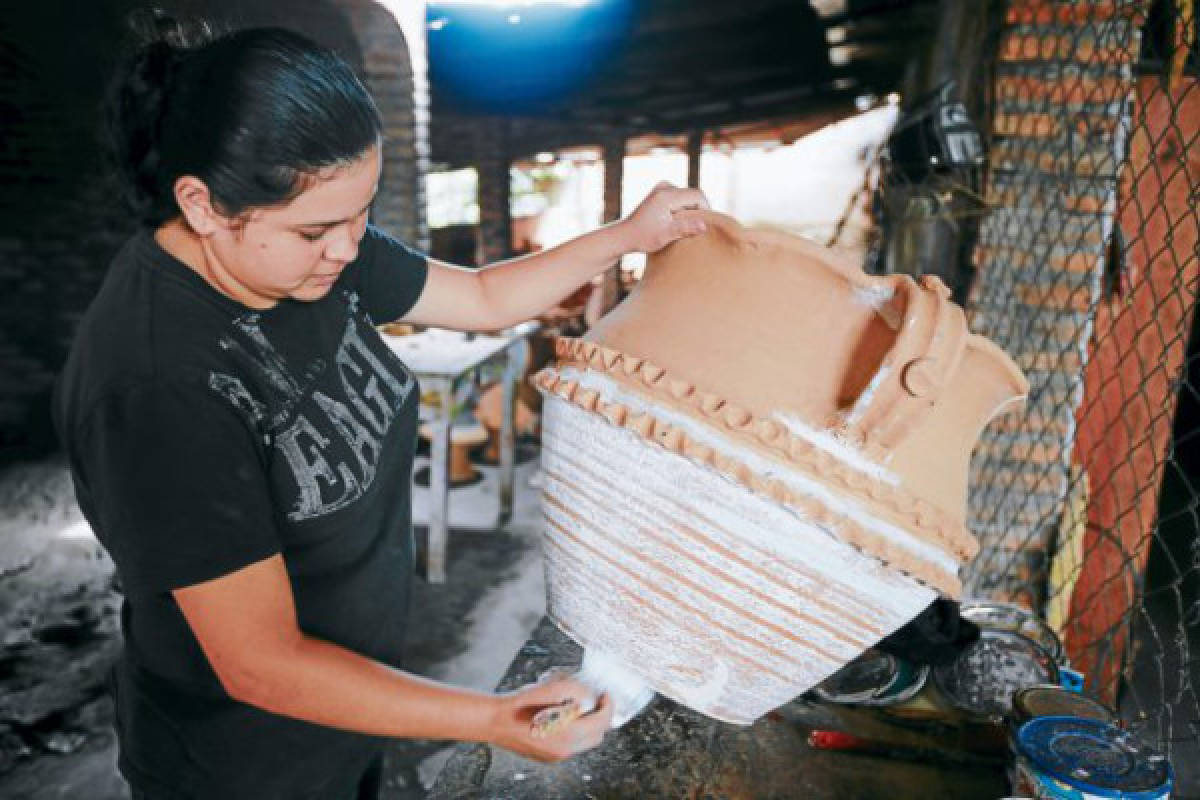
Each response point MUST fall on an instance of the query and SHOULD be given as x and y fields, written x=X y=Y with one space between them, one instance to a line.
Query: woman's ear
x=194 y=200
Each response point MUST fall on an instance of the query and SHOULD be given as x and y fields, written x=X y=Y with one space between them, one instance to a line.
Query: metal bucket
x=1072 y=758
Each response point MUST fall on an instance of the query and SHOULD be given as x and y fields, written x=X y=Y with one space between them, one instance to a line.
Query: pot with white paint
x=755 y=468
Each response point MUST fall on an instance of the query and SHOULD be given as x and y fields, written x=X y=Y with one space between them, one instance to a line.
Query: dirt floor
x=59 y=604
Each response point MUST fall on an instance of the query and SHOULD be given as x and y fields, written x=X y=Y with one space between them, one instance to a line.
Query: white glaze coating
x=604 y=674
x=766 y=467
x=868 y=394
x=837 y=447
x=720 y=598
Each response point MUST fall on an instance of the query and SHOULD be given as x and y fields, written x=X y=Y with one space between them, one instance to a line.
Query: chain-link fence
x=1074 y=245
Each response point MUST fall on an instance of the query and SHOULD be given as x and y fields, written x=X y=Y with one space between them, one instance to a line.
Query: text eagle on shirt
x=374 y=394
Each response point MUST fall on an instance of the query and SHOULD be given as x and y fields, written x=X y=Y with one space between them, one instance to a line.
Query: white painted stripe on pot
x=837 y=447
x=653 y=625
x=698 y=561
x=674 y=657
x=825 y=440
x=642 y=571
x=652 y=472
x=655 y=472
x=767 y=468
x=790 y=578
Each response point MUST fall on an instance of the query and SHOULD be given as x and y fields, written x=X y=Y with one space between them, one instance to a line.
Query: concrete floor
x=58 y=635
x=59 y=631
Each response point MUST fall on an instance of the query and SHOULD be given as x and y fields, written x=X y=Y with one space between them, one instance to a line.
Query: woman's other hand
x=666 y=214
x=514 y=729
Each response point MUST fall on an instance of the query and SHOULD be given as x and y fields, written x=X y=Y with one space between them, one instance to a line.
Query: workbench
x=441 y=359
x=671 y=752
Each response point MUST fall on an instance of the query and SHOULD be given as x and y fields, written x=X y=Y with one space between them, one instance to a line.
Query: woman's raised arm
x=503 y=294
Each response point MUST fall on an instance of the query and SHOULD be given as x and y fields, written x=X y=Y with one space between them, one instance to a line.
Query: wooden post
x=932 y=237
x=1138 y=352
x=614 y=175
x=492 y=163
x=695 y=148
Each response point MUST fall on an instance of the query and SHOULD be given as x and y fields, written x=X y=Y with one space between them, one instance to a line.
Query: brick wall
x=1062 y=94
x=396 y=76
x=59 y=222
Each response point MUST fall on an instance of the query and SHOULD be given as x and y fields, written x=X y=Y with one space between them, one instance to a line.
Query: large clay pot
x=756 y=466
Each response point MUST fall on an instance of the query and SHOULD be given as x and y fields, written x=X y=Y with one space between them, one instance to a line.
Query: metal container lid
x=1018 y=619
x=1094 y=757
x=874 y=678
x=1055 y=701
x=985 y=675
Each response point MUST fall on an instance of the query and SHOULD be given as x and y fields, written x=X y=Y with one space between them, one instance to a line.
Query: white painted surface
x=717 y=597
x=840 y=504
x=442 y=352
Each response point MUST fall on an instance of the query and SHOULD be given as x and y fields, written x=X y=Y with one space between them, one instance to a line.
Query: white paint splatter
x=867 y=395
x=837 y=447
x=874 y=296
x=627 y=692
x=765 y=467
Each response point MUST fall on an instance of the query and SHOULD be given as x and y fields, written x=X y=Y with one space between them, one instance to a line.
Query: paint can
x=984 y=677
x=1055 y=701
x=1073 y=758
x=1016 y=619
x=875 y=678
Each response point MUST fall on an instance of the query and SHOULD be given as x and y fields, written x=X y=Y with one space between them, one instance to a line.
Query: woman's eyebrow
x=340 y=221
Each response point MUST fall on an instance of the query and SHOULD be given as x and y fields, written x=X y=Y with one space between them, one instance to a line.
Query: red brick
x=1068 y=360
x=1040 y=453
x=1047 y=196
x=1010 y=255
x=1024 y=124
x=1042 y=12
x=1081 y=89
x=1081 y=49
x=1036 y=47
x=1079 y=263
x=1060 y=297
x=1086 y=203
x=1088 y=51
x=1016 y=475
x=1021 y=423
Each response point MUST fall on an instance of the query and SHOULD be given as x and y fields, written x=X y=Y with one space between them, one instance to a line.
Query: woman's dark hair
x=253 y=113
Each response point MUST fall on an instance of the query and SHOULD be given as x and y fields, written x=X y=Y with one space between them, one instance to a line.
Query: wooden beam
x=609 y=293
x=492 y=160
x=689 y=15
x=695 y=149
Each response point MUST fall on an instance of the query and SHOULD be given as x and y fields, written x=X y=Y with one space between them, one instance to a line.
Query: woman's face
x=298 y=250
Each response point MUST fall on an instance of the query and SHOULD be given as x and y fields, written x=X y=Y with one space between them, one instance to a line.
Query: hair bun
x=138 y=100
x=154 y=25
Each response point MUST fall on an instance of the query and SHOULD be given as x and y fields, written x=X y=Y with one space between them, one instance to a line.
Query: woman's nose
x=343 y=246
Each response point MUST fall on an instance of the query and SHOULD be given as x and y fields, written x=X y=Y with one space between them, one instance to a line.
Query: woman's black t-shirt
x=203 y=437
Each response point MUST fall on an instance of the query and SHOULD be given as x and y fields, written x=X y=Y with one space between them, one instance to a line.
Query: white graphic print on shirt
x=374 y=392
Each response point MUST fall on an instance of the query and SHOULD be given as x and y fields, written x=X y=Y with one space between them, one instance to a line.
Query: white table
x=440 y=359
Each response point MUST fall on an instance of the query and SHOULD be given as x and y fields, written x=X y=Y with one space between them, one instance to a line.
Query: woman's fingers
x=588 y=731
x=688 y=222
x=666 y=214
x=690 y=198
x=555 y=718
x=555 y=687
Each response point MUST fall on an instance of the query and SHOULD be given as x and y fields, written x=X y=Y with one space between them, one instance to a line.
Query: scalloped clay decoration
x=755 y=468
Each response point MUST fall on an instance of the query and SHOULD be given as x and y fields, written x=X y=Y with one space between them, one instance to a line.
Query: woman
x=241 y=440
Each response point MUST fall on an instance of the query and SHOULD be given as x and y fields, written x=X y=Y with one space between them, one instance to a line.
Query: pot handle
x=929 y=345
